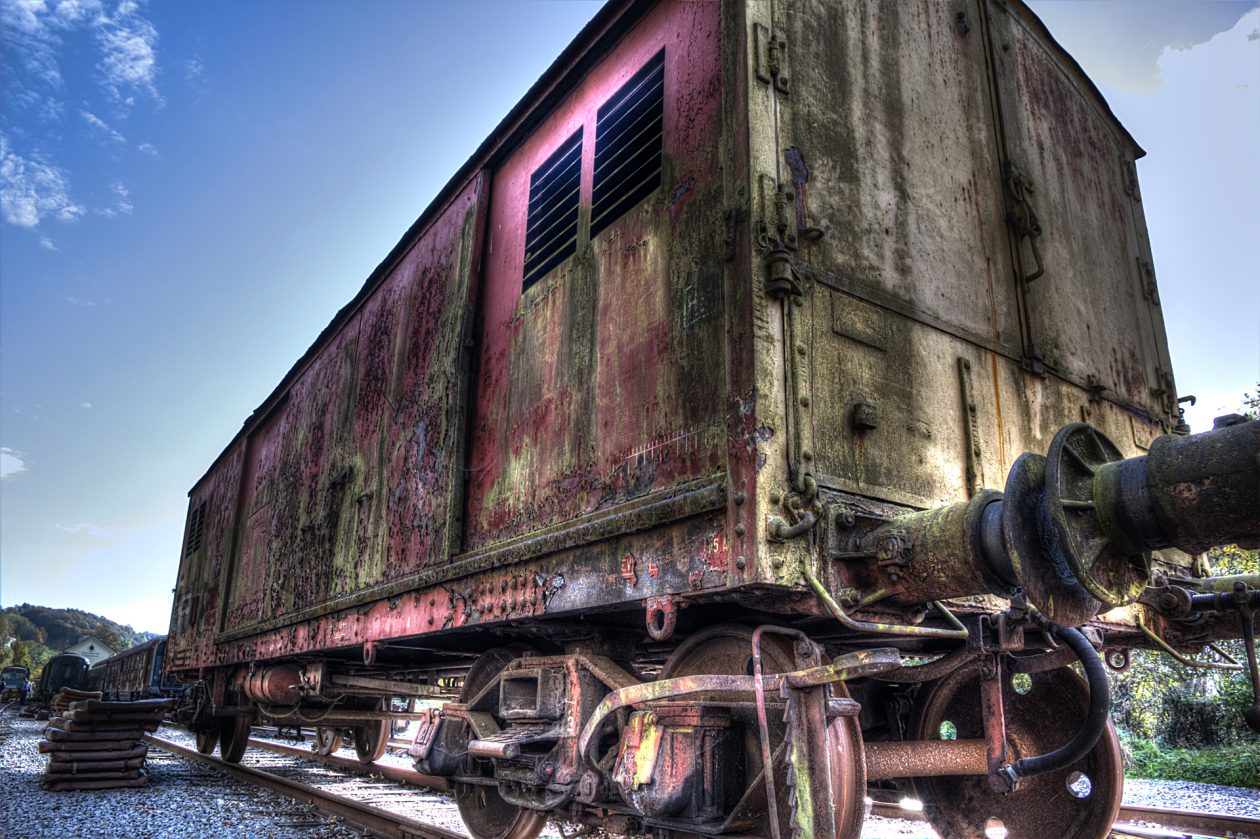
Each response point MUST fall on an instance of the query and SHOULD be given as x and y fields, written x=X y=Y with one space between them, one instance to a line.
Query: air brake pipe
x=1095 y=719
x=959 y=632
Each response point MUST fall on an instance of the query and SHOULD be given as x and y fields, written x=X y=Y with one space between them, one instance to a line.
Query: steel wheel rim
x=485 y=813
x=327 y=740
x=729 y=647
x=206 y=741
x=1042 y=719
x=233 y=738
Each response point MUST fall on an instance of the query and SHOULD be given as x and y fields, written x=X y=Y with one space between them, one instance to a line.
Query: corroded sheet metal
x=604 y=380
x=1097 y=269
x=929 y=346
x=348 y=480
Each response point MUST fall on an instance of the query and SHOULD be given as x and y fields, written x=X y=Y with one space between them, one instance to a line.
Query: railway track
x=1135 y=821
x=351 y=807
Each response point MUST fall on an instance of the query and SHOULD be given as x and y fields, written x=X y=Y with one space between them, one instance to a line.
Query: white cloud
x=102 y=127
x=149 y=149
x=127 y=42
x=48 y=244
x=128 y=54
x=31 y=189
x=78 y=301
x=10 y=463
x=123 y=204
x=89 y=529
x=87 y=405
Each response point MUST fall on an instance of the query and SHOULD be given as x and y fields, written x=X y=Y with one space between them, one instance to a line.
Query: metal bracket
x=975 y=455
x=661 y=616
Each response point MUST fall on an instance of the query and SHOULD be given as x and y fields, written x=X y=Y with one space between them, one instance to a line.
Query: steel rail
x=393 y=773
x=1189 y=821
x=380 y=822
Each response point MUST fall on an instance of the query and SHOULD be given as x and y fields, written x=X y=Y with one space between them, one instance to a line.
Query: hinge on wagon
x=1146 y=277
x=776 y=235
x=1023 y=216
x=776 y=214
x=770 y=51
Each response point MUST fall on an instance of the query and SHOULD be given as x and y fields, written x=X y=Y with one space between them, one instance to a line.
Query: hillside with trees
x=30 y=635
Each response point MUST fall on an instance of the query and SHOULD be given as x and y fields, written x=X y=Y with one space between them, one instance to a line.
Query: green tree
x=20 y=653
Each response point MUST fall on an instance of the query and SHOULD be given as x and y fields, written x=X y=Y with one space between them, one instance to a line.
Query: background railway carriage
x=663 y=435
x=64 y=670
x=137 y=673
x=11 y=680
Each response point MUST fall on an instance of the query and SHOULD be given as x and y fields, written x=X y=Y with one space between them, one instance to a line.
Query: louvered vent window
x=628 y=131
x=196 y=529
x=551 y=226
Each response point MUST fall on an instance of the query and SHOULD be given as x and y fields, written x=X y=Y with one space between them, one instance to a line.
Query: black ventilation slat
x=547 y=214
x=542 y=190
x=629 y=145
x=552 y=220
x=196 y=529
x=629 y=119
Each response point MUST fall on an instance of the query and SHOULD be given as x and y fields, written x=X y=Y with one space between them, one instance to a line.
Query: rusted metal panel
x=349 y=479
x=1077 y=160
x=678 y=560
x=603 y=381
x=889 y=141
x=195 y=611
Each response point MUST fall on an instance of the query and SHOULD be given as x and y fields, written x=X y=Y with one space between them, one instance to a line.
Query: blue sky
x=190 y=190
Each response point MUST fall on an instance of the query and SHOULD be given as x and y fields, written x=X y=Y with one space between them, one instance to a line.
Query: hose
x=1095 y=719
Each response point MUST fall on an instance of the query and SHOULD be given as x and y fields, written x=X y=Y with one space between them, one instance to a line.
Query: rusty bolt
x=502 y=585
x=775 y=497
x=807 y=455
x=739 y=530
x=800 y=349
x=741 y=563
x=740 y=498
x=804 y=401
x=776 y=561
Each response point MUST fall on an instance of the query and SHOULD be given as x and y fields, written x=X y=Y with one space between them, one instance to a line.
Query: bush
x=1231 y=766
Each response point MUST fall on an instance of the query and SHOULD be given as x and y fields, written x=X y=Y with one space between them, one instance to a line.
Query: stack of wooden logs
x=93 y=744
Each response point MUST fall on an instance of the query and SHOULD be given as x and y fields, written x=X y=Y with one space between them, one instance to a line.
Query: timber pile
x=93 y=744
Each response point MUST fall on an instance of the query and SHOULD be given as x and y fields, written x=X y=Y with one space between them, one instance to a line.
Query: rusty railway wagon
x=662 y=449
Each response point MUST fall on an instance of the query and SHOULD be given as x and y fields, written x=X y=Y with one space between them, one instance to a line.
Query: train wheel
x=485 y=813
x=371 y=738
x=233 y=737
x=207 y=740
x=327 y=740
x=1042 y=712
x=727 y=649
